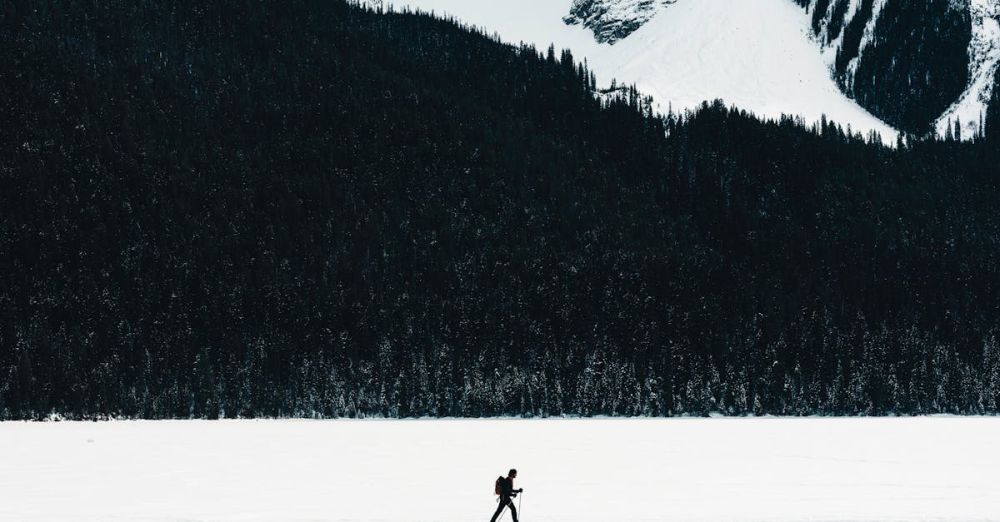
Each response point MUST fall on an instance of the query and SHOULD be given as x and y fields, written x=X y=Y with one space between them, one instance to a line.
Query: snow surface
x=830 y=49
x=918 y=469
x=984 y=56
x=755 y=54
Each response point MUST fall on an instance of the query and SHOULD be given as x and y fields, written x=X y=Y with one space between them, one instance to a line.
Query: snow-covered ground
x=572 y=470
x=755 y=54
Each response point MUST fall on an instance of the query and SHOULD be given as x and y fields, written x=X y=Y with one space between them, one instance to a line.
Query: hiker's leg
x=499 y=510
x=513 y=512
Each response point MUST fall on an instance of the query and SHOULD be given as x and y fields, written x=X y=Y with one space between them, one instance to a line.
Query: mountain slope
x=920 y=66
x=984 y=57
x=756 y=55
x=904 y=61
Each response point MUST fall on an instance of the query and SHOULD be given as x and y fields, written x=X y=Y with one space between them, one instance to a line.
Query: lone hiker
x=505 y=488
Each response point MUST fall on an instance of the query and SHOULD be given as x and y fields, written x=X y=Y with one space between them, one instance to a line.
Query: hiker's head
x=512 y=473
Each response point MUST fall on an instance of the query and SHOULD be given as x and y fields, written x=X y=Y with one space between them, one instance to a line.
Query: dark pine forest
x=305 y=208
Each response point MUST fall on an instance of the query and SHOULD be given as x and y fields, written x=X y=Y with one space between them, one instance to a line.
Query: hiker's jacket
x=507 y=487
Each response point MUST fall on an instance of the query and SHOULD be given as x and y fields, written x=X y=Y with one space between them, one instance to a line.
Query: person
x=507 y=491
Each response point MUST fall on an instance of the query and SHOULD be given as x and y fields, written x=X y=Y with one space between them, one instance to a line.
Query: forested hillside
x=250 y=209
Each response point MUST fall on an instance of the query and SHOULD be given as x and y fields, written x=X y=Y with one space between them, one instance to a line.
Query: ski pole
x=519 y=512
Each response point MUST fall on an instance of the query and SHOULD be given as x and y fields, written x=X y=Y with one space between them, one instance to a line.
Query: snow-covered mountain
x=876 y=65
x=758 y=55
x=916 y=65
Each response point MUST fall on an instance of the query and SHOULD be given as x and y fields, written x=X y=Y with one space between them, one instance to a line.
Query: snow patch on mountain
x=867 y=36
x=612 y=20
x=984 y=57
x=832 y=41
x=756 y=55
x=833 y=9
x=831 y=44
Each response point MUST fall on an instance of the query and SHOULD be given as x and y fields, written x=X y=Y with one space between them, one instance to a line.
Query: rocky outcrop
x=612 y=20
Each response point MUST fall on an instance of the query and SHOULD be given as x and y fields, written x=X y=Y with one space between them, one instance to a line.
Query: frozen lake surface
x=939 y=468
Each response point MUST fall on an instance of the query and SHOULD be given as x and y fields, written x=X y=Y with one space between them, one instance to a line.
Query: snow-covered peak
x=612 y=20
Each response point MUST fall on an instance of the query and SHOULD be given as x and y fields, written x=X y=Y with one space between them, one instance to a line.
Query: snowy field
x=572 y=470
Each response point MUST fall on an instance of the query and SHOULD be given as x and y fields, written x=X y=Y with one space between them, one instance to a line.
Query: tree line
x=243 y=209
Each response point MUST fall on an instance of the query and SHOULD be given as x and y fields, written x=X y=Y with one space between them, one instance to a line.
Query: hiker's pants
x=505 y=501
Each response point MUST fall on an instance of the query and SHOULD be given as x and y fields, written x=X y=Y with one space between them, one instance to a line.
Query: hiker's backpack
x=498 y=486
